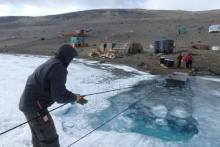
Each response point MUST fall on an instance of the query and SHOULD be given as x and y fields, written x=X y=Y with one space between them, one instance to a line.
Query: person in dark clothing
x=105 y=45
x=189 y=57
x=45 y=86
x=186 y=60
x=179 y=60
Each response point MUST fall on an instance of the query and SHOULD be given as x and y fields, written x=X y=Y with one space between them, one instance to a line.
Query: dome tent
x=134 y=48
x=214 y=28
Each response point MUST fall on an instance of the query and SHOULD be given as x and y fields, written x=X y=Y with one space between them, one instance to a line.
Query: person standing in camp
x=179 y=60
x=185 y=58
x=105 y=46
x=189 y=58
x=45 y=86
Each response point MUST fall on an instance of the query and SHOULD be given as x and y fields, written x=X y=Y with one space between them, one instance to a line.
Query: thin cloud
x=39 y=7
x=190 y=5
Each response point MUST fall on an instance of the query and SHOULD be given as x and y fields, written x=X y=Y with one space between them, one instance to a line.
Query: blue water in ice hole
x=165 y=111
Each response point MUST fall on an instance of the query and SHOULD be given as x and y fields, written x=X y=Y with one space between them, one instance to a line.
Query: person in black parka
x=179 y=60
x=45 y=86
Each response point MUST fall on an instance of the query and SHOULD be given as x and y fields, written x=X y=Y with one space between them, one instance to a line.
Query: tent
x=200 y=29
x=135 y=48
x=214 y=28
x=121 y=49
x=182 y=30
x=106 y=46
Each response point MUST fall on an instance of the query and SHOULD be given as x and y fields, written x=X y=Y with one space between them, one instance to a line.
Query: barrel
x=162 y=60
x=165 y=62
x=170 y=63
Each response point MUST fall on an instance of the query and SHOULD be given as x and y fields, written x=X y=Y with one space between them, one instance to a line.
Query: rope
x=13 y=128
x=107 y=121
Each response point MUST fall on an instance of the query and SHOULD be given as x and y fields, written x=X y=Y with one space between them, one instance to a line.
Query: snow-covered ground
x=197 y=104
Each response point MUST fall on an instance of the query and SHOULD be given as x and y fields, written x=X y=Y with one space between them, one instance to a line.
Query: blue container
x=157 y=47
x=164 y=46
x=165 y=62
x=170 y=63
x=168 y=46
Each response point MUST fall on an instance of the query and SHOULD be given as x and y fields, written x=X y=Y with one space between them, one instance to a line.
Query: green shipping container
x=77 y=40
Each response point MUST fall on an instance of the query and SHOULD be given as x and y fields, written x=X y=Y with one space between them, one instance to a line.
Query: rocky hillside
x=23 y=34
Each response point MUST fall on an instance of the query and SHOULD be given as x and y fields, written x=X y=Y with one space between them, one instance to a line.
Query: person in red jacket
x=189 y=58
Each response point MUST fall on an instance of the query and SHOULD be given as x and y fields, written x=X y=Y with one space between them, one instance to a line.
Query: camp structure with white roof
x=214 y=28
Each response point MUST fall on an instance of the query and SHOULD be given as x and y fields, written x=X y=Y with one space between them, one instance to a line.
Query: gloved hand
x=80 y=99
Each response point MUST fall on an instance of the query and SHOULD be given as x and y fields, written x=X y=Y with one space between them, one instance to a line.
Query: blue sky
x=48 y=7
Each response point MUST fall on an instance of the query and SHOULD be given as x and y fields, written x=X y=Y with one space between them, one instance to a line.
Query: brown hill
x=24 y=34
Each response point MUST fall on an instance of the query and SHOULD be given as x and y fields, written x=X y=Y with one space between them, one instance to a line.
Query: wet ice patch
x=150 y=117
x=159 y=111
x=215 y=92
x=181 y=120
x=179 y=112
x=161 y=122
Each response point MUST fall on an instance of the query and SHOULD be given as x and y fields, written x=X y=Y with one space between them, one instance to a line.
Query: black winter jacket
x=46 y=84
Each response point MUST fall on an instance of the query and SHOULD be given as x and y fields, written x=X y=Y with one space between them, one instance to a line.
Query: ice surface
x=216 y=93
x=210 y=79
x=135 y=128
x=82 y=79
x=179 y=112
